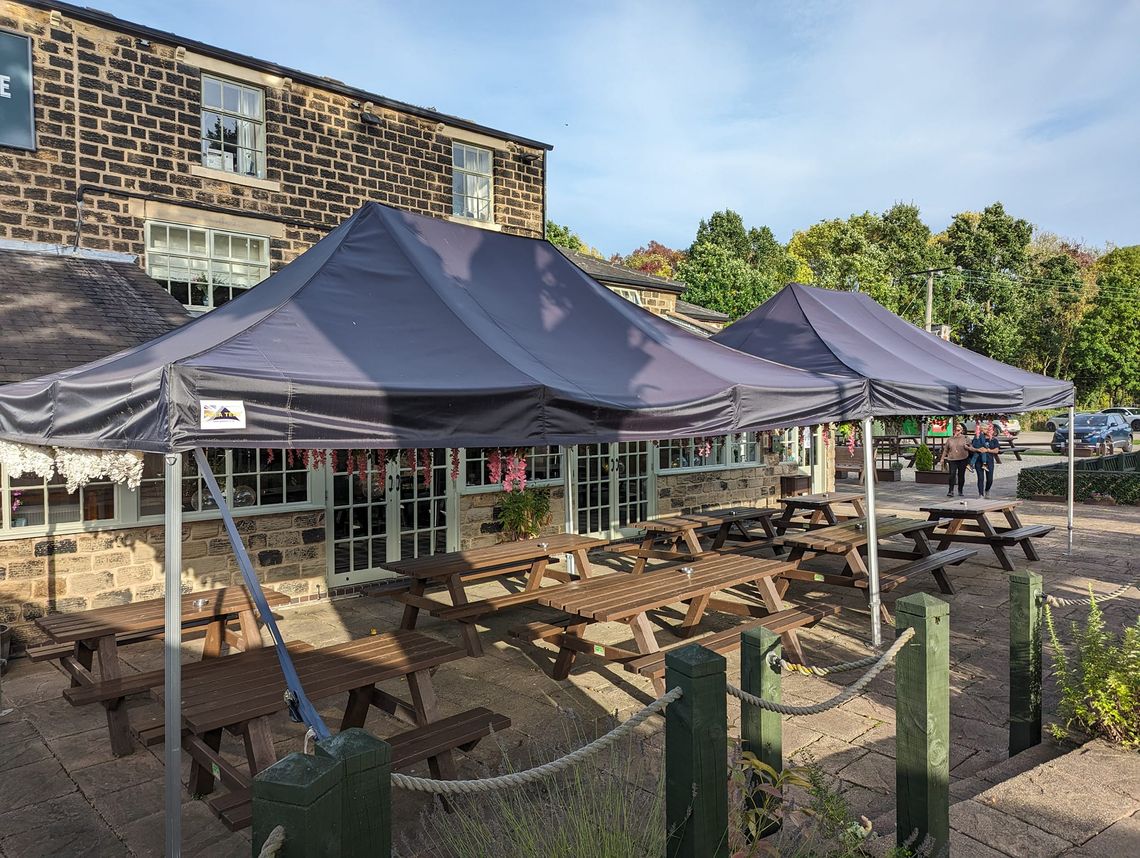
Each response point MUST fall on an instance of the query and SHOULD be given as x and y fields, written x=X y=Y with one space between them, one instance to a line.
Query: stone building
x=160 y=177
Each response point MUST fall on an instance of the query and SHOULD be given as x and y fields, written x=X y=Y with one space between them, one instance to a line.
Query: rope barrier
x=538 y=773
x=1059 y=602
x=842 y=667
x=838 y=700
x=273 y=843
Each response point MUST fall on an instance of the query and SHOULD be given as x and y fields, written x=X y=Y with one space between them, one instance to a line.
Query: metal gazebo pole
x=1072 y=473
x=872 y=534
x=173 y=654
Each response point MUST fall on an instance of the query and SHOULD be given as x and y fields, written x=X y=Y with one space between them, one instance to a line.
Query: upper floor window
x=233 y=127
x=205 y=268
x=471 y=182
x=631 y=295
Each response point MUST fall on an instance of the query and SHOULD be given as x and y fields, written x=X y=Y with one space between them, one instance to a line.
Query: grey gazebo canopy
x=909 y=370
x=399 y=330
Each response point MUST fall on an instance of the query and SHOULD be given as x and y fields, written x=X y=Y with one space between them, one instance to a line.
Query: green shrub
x=1099 y=680
x=524 y=514
x=923 y=458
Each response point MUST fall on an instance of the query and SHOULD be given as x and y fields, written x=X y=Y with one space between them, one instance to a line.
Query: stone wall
x=700 y=490
x=478 y=525
x=115 y=113
x=661 y=303
x=100 y=569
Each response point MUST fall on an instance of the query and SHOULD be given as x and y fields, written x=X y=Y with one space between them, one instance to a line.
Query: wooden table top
x=841 y=538
x=822 y=499
x=619 y=597
x=240 y=687
x=150 y=615
x=709 y=518
x=493 y=556
x=969 y=506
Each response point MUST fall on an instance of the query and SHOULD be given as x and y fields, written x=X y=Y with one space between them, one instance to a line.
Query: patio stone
x=116 y=774
x=21 y=744
x=61 y=827
x=1006 y=834
x=1120 y=838
x=33 y=784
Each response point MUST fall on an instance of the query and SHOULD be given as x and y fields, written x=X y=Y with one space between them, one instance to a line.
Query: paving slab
x=1005 y=834
x=66 y=826
x=33 y=784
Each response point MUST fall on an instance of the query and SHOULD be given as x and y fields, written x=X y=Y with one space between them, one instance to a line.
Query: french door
x=614 y=487
x=375 y=518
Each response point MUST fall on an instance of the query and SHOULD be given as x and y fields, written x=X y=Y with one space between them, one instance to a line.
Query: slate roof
x=60 y=308
x=702 y=314
x=619 y=275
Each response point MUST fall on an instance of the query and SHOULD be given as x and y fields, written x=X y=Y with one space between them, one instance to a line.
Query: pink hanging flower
x=269 y=456
x=335 y=460
x=516 y=473
x=495 y=466
x=381 y=470
x=851 y=440
x=426 y=466
x=454 y=463
x=826 y=434
x=410 y=461
x=350 y=466
x=289 y=457
x=305 y=458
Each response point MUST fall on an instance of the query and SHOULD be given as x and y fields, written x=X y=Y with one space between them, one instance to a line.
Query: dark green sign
x=17 y=121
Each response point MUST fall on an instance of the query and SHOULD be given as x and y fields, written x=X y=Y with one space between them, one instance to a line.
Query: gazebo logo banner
x=222 y=414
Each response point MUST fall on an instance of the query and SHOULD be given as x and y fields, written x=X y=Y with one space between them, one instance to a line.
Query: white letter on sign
x=5 y=86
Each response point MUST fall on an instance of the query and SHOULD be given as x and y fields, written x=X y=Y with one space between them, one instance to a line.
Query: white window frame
x=632 y=295
x=210 y=260
x=457 y=171
x=552 y=453
x=257 y=122
x=756 y=441
x=9 y=531
x=315 y=481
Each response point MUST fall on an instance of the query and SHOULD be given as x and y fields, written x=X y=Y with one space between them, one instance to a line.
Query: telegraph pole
x=929 y=299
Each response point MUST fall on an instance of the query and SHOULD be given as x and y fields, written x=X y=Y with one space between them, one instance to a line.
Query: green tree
x=654 y=258
x=989 y=242
x=717 y=279
x=725 y=229
x=1106 y=345
x=563 y=236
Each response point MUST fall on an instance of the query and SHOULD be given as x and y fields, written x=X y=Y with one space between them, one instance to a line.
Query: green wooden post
x=696 y=755
x=304 y=794
x=1024 y=661
x=922 y=691
x=760 y=729
x=366 y=814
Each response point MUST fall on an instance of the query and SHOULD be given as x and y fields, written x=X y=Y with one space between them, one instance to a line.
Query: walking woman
x=956 y=452
x=985 y=449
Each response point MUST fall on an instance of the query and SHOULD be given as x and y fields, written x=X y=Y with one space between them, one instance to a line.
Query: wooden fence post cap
x=358 y=749
x=921 y=605
x=297 y=779
x=694 y=661
x=1025 y=576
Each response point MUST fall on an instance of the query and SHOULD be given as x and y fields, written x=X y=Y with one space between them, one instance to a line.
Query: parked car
x=1130 y=413
x=1006 y=425
x=1099 y=432
x=1057 y=421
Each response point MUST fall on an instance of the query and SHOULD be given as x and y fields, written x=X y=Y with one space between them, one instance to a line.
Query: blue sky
x=789 y=112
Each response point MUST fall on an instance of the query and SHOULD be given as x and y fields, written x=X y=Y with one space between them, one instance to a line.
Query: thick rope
x=839 y=699
x=538 y=773
x=1058 y=602
x=842 y=667
x=273 y=843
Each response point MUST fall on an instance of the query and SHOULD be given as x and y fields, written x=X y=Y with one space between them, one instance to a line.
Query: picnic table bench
x=849 y=540
x=686 y=530
x=819 y=509
x=238 y=693
x=628 y=599
x=967 y=521
x=455 y=569
x=78 y=636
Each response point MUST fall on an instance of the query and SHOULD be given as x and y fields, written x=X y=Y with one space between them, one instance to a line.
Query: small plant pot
x=931 y=477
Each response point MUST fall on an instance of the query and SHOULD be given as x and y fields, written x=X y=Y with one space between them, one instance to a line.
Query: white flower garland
x=77 y=467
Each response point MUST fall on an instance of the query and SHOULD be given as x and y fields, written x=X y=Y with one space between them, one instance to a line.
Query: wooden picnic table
x=686 y=530
x=237 y=694
x=628 y=599
x=849 y=540
x=76 y=637
x=821 y=506
x=456 y=569
x=967 y=520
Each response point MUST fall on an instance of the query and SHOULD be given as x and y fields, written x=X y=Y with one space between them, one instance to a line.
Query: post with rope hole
x=1025 y=598
x=760 y=729
x=696 y=762
x=304 y=795
x=366 y=795
x=922 y=691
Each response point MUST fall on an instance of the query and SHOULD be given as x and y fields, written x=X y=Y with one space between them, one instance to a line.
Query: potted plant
x=924 y=471
x=523 y=513
x=892 y=474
